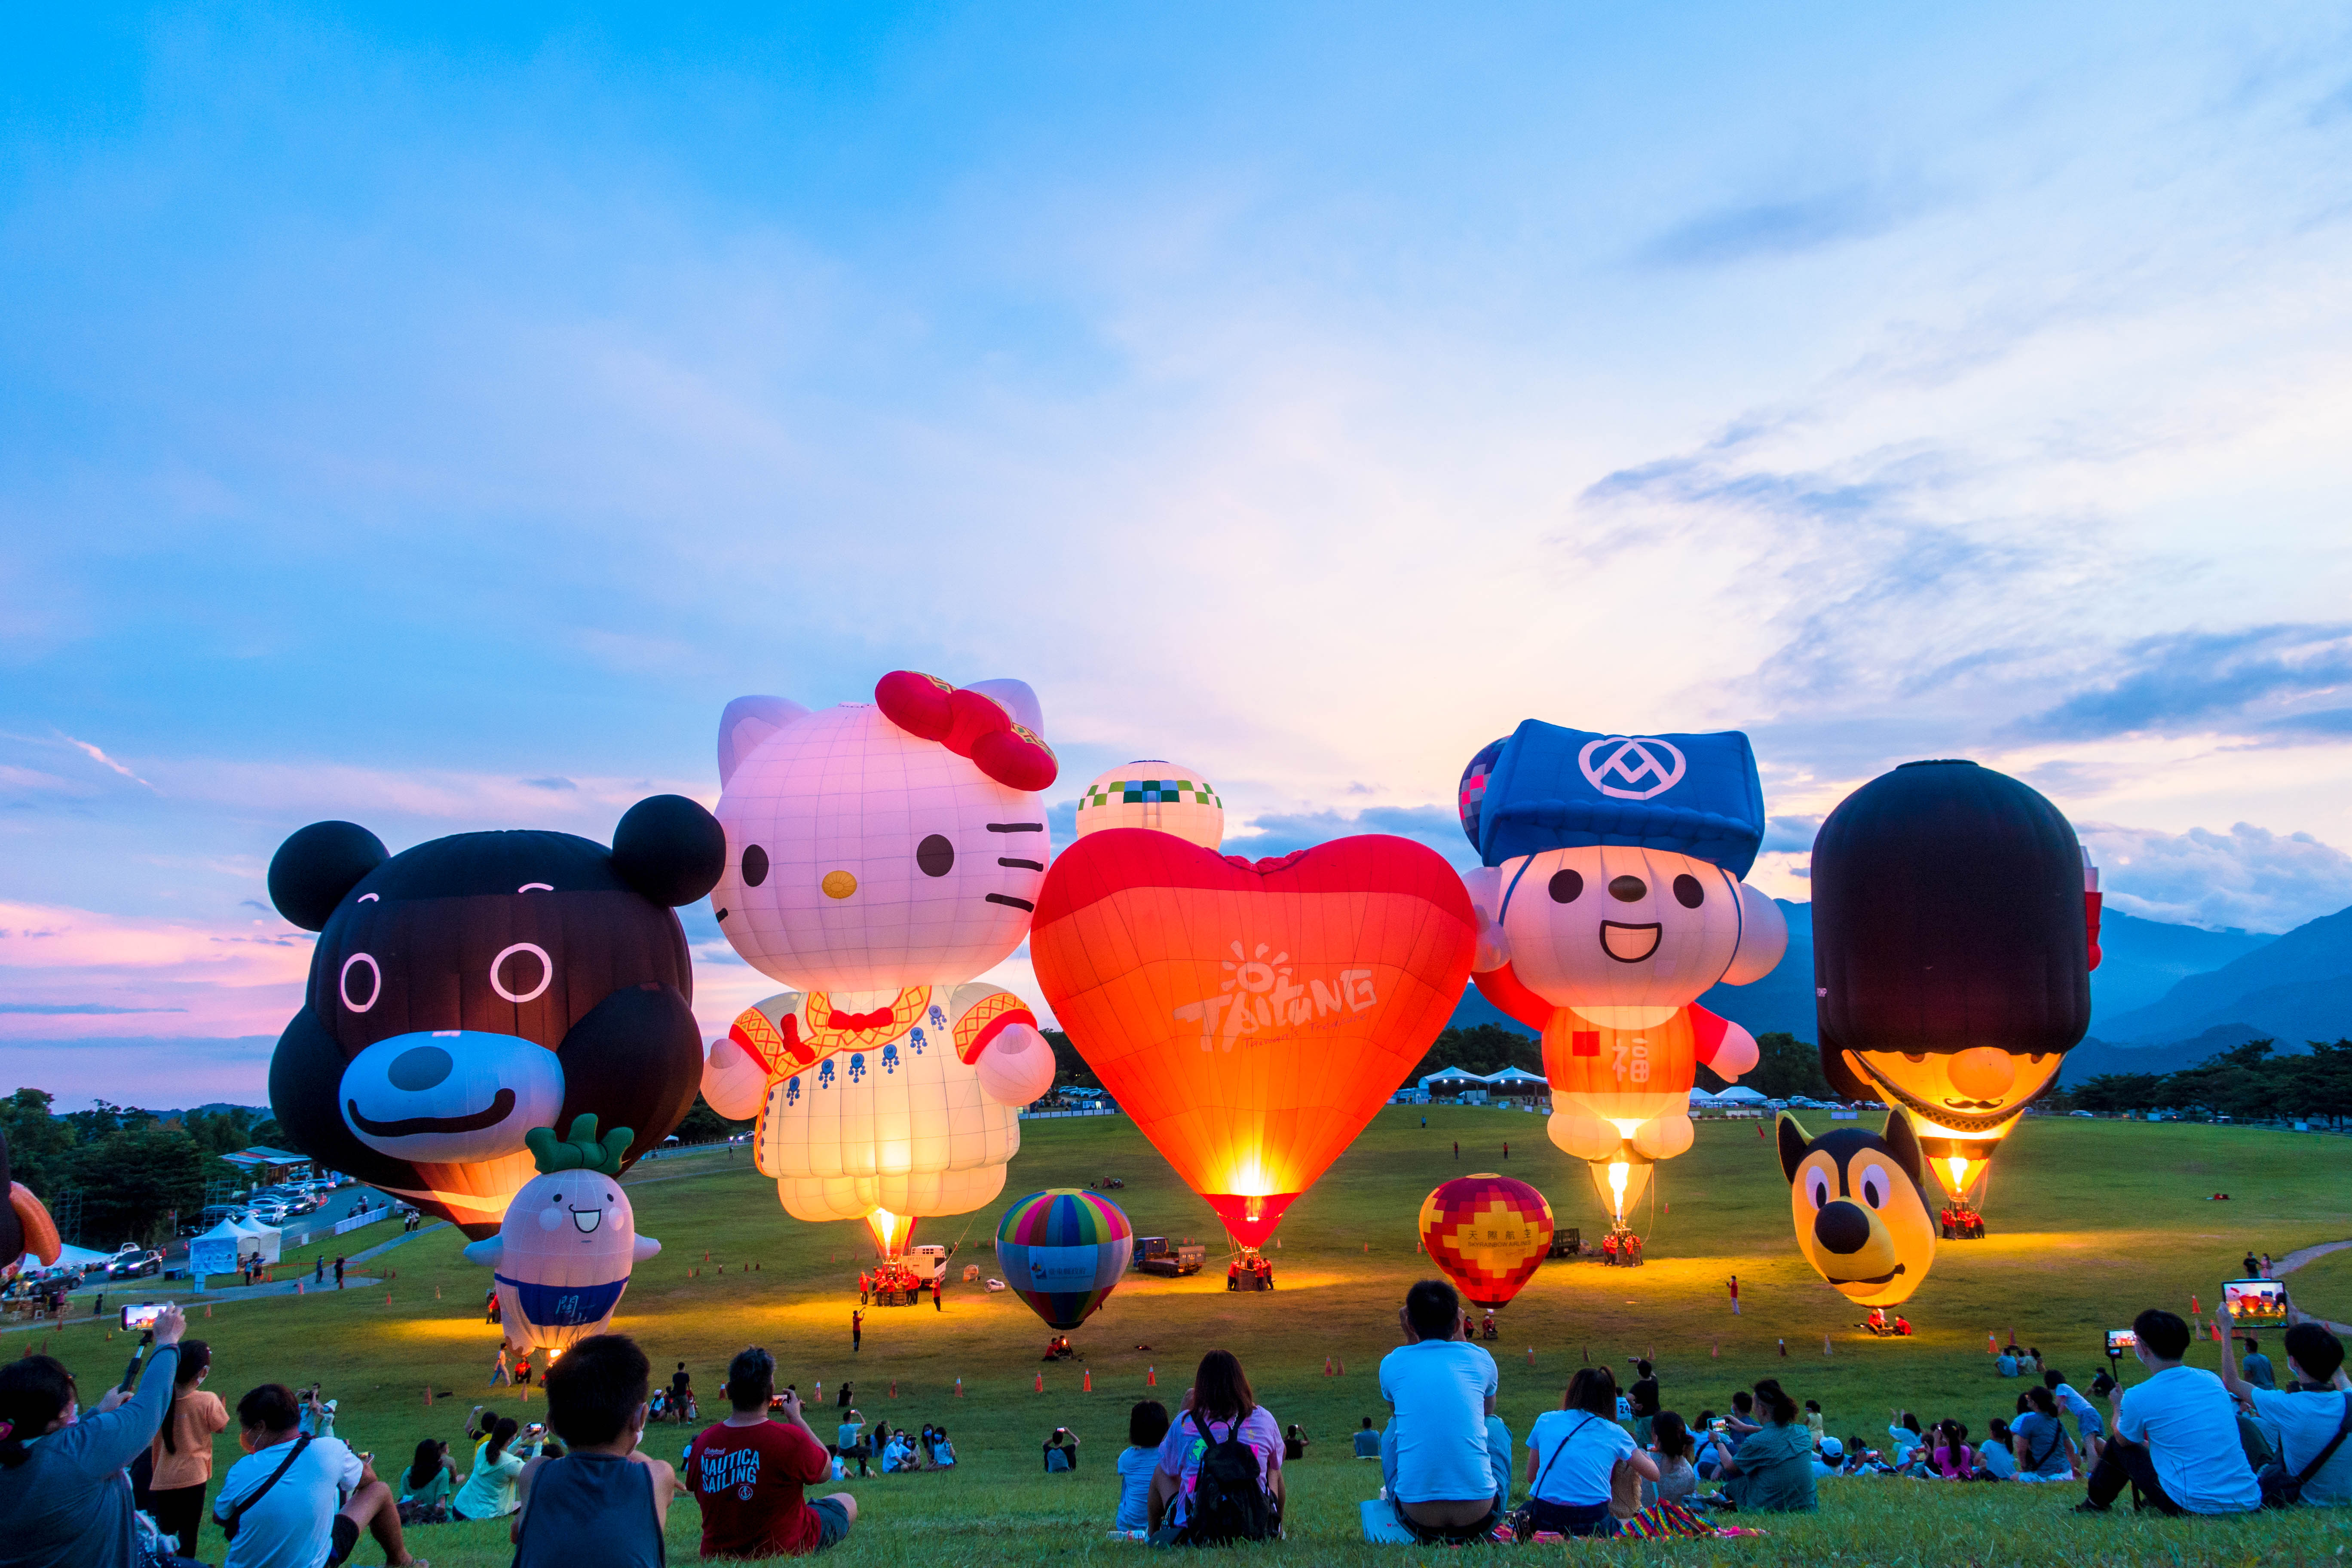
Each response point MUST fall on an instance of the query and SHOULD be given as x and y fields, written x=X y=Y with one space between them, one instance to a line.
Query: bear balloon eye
x=755 y=866
x=1688 y=891
x=1567 y=886
x=1627 y=889
x=935 y=855
x=352 y=981
x=529 y=969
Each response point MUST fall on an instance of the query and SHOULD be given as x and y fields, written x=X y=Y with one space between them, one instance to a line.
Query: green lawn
x=2091 y=1222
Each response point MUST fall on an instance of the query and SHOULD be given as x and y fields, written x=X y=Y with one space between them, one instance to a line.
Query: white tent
x=1739 y=1094
x=218 y=1249
x=69 y=1257
x=1455 y=1078
x=259 y=1237
x=1516 y=1078
x=1700 y=1097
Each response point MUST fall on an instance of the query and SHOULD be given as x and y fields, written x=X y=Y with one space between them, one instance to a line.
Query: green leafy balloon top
x=583 y=1151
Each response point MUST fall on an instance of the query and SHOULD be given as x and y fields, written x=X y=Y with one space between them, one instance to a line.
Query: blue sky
x=434 y=421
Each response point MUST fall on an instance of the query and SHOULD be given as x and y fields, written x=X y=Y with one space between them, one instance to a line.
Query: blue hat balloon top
x=1545 y=787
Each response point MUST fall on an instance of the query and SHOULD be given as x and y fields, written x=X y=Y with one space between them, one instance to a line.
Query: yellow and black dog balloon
x=1861 y=1213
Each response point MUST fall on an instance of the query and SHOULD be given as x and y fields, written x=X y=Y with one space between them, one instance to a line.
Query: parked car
x=135 y=1264
x=2085 y=1114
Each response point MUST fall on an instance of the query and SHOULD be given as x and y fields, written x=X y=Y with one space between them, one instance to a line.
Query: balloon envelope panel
x=1063 y=1251
x=1488 y=1233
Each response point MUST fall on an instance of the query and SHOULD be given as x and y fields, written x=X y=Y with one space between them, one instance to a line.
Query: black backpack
x=1229 y=1499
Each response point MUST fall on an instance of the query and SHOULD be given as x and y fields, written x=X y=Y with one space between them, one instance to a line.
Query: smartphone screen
x=2255 y=1300
x=142 y=1316
x=2121 y=1340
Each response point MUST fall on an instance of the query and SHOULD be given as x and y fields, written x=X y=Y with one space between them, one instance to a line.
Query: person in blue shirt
x=2175 y=1435
x=2005 y=1364
x=2088 y=1420
x=2256 y=1366
x=1146 y=1428
x=1445 y=1456
x=1368 y=1441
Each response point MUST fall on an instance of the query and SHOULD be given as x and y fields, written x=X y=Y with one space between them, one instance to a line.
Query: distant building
x=264 y=1165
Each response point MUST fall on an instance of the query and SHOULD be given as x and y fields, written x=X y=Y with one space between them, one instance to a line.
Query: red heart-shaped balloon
x=1251 y=1016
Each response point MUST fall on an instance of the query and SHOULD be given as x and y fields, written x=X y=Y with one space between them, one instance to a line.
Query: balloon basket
x=1249 y=1270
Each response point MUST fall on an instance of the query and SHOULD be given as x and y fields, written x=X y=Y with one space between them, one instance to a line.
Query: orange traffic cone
x=958 y=1393
x=1341 y=1365
x=1089 y=1386
x=894 y=1388
x=428 y=1394
x=1717 y=1351
x=1150 y=1377
x=208 y=1309
x=2192 y=1312
x=1993 y=1345
x=1531 y=1355
x=1041 y=1383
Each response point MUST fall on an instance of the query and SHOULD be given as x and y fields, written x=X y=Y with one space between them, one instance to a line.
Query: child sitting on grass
x=1146 y=1428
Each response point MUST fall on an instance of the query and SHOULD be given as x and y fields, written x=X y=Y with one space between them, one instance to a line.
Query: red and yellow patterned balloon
x=1488 y=1233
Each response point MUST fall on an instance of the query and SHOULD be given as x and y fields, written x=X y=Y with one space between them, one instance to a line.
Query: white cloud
x=2248 y=876
x=215 y=978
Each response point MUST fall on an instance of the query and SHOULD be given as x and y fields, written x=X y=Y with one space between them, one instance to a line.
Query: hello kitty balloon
x=879 y=859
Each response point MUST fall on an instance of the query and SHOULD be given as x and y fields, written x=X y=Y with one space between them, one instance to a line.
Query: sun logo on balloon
x=1279 y=999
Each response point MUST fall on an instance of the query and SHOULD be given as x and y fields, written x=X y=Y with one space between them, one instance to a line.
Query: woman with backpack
x=2044 y=1451
x=1220 y=1473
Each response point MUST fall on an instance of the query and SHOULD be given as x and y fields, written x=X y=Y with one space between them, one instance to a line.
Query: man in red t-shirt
x=748 y=1472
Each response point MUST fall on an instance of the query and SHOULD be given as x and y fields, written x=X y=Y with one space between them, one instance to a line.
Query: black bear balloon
x=477 y=987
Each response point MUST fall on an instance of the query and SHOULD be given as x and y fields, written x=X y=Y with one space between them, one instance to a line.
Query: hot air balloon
x=26 y=1228
x=1165 y=796
x=1860 y=1208
x=1251 y=1016
x=1488 y=1233
x=1955 y=929
x=1063 y=1251
x=880 y=858
x=1609 y=899
x=476 y=986
x=562 y=1253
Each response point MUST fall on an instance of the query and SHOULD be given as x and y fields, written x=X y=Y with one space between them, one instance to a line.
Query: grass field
x=2091 y=1222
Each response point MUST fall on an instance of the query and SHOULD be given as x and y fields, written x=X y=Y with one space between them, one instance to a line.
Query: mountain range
x=2164 y=996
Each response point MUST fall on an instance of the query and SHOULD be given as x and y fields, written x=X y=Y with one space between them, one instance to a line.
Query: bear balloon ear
x=314 y=869
x=670 y=849
x=747 y=721
x=1903 y=1142
x=1794 y=1146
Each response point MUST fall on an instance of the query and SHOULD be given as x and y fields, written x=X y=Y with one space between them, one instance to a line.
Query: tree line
x=115 y=1172
x=2254 y=1082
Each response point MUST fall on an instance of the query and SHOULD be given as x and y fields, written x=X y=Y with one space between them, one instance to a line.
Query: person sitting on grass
x=2091 y=1425
x=298 y=1498
x=426 y=1485
x=1954 y=1460
x=602 y=1502
x=1742 y=1420
x=750 y=1472
x=1147 y=1428
x=942 y=1451
x=1368 y=1441
x=1060 y=1451
x=61 y=1495
x=2175 y=1435
x=1439 y=1457
x=1905 y=1431
x=848 y=1437
x=488 y=1489
x=1670 y=1443
x=1772 y=1472
x=1573 y=1454
x=2005 y=1364
x=1707 y=1449
x=2305 y=1424
x=897 y=1453
x=2043 y=1450
x=1829 y=1458
x=2257 y=1366
x=1219 y=1409
x=1996 y=1455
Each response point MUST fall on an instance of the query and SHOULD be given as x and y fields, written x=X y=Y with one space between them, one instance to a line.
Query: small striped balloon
x=1488 y=1233
x=1063 y=1251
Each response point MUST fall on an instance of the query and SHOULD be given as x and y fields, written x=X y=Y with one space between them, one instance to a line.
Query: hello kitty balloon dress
x=879 y=860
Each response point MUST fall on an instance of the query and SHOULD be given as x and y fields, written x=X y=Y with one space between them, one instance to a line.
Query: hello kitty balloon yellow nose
x=880 y=858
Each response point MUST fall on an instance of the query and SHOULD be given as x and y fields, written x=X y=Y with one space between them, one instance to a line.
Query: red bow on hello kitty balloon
x=968 y=723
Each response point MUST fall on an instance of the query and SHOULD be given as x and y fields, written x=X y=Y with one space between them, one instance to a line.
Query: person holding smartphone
x=750 y=1472
x=2302 y=1425
x=2175 y=1435
x=60 y=1487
